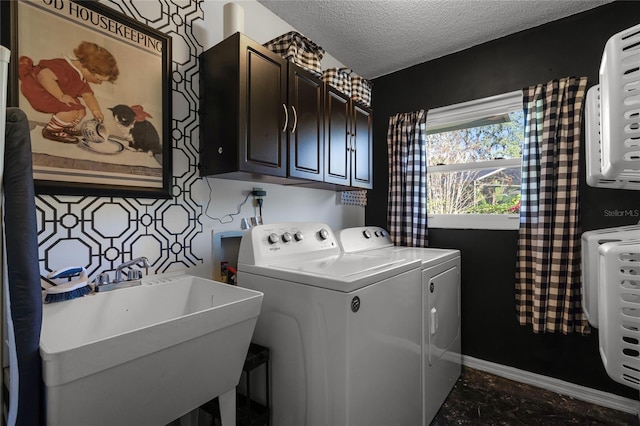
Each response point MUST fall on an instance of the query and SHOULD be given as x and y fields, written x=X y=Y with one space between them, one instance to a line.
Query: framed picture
x=95 y=87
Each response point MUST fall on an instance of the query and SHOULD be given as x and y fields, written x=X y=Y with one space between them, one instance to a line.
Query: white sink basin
x=145 y=355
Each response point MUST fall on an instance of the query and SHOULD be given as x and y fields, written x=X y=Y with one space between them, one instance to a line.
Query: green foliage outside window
x=489 y=190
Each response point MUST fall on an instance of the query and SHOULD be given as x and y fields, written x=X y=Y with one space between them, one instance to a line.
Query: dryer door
x=441 y=338
x=443 y=295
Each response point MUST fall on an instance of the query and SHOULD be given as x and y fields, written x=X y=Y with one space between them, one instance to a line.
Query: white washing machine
x=440 y=282
x=344 y=329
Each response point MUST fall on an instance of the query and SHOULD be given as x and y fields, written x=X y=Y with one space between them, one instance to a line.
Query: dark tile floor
x=480 y=398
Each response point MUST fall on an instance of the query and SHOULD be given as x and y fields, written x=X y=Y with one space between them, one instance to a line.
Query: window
x=474 y=155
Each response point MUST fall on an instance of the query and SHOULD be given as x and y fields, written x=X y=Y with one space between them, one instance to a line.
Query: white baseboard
x=582 y=393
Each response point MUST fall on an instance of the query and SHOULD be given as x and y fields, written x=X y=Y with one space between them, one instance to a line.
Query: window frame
x=477 y=109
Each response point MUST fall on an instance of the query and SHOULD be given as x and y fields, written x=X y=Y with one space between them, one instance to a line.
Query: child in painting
x=56 y=85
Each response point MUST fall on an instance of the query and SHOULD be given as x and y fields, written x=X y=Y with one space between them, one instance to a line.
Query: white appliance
x=440 y=282
x=344 y=329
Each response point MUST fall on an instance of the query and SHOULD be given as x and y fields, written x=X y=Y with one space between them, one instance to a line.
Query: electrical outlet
x=258 y=192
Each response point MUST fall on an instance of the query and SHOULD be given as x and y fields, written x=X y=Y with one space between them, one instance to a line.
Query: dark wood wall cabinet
x=263 y=118
x=348 y=141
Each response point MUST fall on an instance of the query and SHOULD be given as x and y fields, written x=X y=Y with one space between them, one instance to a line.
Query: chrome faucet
x=134 y=276
x=142 y=262
x=102 y=283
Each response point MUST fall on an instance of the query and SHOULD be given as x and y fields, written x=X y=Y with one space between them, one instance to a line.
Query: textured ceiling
x=377 y=37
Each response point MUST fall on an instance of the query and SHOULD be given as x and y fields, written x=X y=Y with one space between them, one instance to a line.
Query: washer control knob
x=366 y=233
x=378 y=234
x=286 y=237
x=324 y=234
x=273 y=238
x=298 y=236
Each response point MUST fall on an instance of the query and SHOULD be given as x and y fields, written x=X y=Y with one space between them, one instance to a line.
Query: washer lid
x=341 y=272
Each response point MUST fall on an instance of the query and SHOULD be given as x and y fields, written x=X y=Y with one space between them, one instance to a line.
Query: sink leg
x=228 y=407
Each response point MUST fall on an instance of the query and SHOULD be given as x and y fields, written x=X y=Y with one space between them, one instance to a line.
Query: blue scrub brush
x=70 y=289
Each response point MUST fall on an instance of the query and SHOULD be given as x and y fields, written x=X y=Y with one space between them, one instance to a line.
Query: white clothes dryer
x=440 y=282
x=343 y=329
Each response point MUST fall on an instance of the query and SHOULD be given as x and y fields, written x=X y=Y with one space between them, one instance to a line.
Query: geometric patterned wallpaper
x=100 y=233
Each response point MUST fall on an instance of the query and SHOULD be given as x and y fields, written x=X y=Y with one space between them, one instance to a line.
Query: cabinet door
x=306 y=147
x=362 y=159
x=263 y=89
x=337 y=140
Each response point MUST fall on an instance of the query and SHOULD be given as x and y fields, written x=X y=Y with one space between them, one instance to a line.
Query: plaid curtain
x=548 y=286
x=407 y=146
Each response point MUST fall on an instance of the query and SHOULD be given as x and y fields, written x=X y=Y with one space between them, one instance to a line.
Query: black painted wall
x=490 y=331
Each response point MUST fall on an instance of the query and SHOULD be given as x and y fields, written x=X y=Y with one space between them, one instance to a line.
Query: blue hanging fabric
x=23 y=298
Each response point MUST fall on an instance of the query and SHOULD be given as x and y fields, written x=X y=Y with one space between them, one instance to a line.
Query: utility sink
x=146 y=355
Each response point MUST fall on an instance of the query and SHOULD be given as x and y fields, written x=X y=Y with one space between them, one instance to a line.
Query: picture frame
x=111 y=134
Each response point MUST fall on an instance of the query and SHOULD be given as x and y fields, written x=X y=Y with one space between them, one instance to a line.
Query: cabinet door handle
x=286 y=118
x=295 y=119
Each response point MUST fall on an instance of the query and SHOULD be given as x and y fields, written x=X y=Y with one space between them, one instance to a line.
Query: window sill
x=474 y=221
